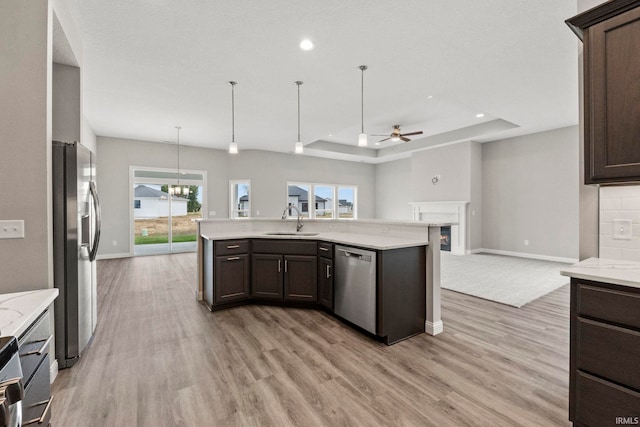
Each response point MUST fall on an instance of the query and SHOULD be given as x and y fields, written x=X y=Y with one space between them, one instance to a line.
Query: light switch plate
x=12 y=229
x=622 y=229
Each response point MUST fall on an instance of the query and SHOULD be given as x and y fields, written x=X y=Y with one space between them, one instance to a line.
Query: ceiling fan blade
x=412 y=133
x=404 y=139
x=383 y=140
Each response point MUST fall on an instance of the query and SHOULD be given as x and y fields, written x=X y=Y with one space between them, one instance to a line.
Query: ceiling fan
x=397 y=135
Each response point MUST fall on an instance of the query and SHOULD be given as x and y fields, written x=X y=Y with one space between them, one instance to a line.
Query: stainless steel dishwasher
x=355 y=286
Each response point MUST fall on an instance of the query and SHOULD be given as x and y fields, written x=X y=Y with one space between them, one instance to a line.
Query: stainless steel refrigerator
x=76 y=234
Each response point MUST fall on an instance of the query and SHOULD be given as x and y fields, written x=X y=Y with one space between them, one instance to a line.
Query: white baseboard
x=53 y=370
x=433 y=328
x=525 y=255
x=114 y=256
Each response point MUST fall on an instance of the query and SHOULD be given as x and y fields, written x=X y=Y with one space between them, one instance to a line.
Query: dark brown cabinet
x=605 y=353
x=611 y=36
x=231 y=278
x=267 y=276
x=325 y=275
x=226 y=271
x=284 y=270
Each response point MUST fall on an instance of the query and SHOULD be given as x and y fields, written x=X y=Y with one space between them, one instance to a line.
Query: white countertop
x=372 y=241
x=18 y=310
x=617 y=272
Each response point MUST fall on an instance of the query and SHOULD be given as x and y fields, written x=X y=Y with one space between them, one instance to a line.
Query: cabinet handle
x=39 y=351
x=286 y=265
x=324 y=249
x=44 y=413
x=328 y=271
x=233 y=246
x=279 y=266
x=233 y=258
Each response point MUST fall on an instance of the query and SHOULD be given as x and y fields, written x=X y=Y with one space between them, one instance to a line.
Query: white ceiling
x=150 y=65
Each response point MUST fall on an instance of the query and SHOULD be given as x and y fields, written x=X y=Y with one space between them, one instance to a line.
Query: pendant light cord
x=178 y=128
x=233 y=112
x=362 y=68
x=298 y=83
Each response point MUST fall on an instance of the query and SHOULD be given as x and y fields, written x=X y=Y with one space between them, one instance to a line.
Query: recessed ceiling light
x=306 y=44
x=330 y=134
x=430 y=96
x=480 y=115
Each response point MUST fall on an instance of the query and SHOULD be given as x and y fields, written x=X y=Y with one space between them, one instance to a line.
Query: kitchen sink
x=290 y=233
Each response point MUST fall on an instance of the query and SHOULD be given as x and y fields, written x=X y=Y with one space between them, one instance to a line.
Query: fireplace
x=454 y=237
x=445 y=238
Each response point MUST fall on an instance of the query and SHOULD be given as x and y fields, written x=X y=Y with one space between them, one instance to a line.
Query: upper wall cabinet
x=611 y=36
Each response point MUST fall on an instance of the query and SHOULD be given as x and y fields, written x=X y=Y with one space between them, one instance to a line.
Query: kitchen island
x=266 y=261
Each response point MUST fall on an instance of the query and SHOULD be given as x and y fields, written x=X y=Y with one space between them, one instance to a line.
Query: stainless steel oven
x=11 y=389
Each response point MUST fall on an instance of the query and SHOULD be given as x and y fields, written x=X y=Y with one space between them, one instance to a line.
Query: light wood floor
x=159 y=358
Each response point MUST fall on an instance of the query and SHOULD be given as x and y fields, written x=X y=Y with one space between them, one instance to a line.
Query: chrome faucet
x=300 y=224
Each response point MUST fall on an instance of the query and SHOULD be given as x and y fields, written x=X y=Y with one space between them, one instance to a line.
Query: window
x=324 y=195
x=240 y=204
x=298 y=197
x=347 y=202
x=328 y=201
x=136 y=204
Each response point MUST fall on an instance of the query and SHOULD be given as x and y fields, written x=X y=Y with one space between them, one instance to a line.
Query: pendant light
x=177 y=189
x=233 y=147
x=362 y=138
x=299 y=147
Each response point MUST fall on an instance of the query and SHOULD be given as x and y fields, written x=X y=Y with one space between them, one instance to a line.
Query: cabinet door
x=231 y=278
x=325 y=282
x=267 y=276
x=612 y=100
x=300 y=280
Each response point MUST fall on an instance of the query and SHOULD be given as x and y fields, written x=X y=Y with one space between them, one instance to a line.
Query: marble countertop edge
x=18 y=310
x=617 y=272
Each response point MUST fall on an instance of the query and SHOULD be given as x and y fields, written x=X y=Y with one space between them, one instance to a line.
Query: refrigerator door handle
x=98 y=220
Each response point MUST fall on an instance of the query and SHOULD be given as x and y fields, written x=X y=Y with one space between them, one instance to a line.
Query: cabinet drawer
x=284 y=247
x=325 y=250
x=34 y=346
x=612 y=305
x=36 y=407
x=232 y=247
x=608 y=351
x=601 y=403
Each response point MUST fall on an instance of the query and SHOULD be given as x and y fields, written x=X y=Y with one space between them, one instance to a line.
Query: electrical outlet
x=114 y=243
x=622 y=229
x=257 y=213
x=12 y=229
x=212 y=213
x=526 y=243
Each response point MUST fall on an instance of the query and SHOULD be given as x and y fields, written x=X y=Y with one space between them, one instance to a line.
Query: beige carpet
x=504 y=279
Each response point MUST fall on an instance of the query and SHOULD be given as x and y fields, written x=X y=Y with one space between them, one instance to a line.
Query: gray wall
x=25 y=131
x=394 y=190
x=530 y=191
x=410 y=180
x=267 y=171
x=66 y=103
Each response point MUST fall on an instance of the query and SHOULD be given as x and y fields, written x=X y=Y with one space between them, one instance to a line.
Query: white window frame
x=312 y=197
x=232 y=203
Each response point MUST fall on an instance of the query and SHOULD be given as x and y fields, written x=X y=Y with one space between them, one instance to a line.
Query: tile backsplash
x=620 y=203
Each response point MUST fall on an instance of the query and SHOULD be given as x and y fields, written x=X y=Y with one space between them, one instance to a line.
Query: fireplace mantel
x=454 y=212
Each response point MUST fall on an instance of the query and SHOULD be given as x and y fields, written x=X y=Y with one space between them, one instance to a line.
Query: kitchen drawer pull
x=41 y=349
x=233 y=246
x=328 y=271
x=286 y=265
x=279 y=266
x=324 y=249
x=233 y=258
x=44 y=413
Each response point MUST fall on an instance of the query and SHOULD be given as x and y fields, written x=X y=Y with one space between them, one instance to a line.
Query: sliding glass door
x=165 y=210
